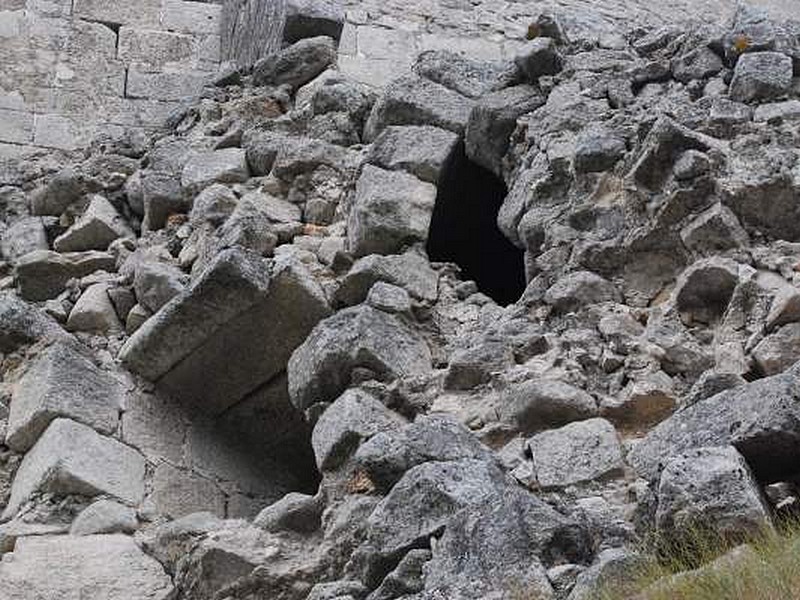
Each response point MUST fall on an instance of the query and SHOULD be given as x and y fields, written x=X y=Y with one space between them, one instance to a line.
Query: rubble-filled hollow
x=464 y=229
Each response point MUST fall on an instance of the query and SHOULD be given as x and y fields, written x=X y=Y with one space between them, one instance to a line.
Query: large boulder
x=71 y=458
x=761 y=76
x=467 y=76
x=219 y=166
x=100 y=567
x=710 y=490
x=62 y=382
x=760 y=419
x=229 y=332
x=390 y=210
x=535 y=405
x=412 y=100
x=360 y=337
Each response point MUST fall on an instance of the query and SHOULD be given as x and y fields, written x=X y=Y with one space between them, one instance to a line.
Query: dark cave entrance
x=464 y=230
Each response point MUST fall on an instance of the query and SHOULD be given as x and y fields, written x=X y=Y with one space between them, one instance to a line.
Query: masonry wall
x=70 y=69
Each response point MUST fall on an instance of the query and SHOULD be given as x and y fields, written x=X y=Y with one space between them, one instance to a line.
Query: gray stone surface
x=409 y=271
x=296 y=65
x=94 y=312
x=422 y=151
x=71 y=458
x=761 y=76
x=361 y=337
x=541 y=404
x=99 y=225
x=62 y=382
x=231 y=331
x=390 y=210
x=710 y=490
x=103 y=567
x=220 y=166
x=577 y=453
x=156 y=283
x=24 y=236
x=347 y=423
x=43 y=274
x=104 y=517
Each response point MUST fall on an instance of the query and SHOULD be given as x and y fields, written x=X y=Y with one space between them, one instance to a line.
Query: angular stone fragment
x=779 y=350
x=94 y=312
x=468 y=77
x=105 y=516
x=578 y=290
x=220 y=166
x=492 y=121
x=100 y=567
x=539 y=57
x=713 y=490
x=99 y=225
x=62 y=382
x=388 y=455
x=157 y=283
x=64 y=189
x=71 y=458
x=760 y=419
x=312 y=18
x=390 y=210
x=717 y=229
x=412 y=100
x=700 y=63
x=409 y=271
x=24 y=236
x=761 y=76
x=229 y=332
x=177 y=493
x=43 y=275
x=348 y=422
x=296 y=65
x=535 y=405
x=422 y=151
x=359 y=337
x=598 y=152
x=577 y=453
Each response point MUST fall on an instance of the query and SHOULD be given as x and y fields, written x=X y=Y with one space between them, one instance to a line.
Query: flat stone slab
x=42 y=274
x=71 y=458
x=96 y=567
x=228 y=333
x=62 y=382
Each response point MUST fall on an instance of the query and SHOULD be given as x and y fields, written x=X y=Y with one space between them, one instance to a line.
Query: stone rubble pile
x=229 y=371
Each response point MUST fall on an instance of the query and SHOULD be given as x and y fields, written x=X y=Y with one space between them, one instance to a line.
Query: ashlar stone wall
x=70 y=69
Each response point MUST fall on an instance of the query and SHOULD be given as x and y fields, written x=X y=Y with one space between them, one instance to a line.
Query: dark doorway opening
x=464 y=230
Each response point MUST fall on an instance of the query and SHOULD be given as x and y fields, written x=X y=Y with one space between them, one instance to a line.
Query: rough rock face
x=229 y=368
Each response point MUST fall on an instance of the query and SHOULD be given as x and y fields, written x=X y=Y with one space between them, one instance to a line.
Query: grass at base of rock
x=766 y=568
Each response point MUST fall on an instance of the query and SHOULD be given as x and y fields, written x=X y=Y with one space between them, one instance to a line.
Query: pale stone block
x=143 y=13
x=191 y=17
x=16 y=127
x=154 y=47
x=164 y=86
x=178 y=492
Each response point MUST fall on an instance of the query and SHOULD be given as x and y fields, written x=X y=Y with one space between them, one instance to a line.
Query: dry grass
x=768 y=568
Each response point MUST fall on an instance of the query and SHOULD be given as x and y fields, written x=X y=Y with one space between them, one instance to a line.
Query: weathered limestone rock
x=717 y=229
x=422 y=151
x=468 y=77
x=390 y=210
x=577 y=453
x=101 y=567
x=542 y=404
x=177 y=493
x=346 y=424
x=412 y=100
x=229 y=332
x=94 y=312
x=311 y=18
x=296 y=65
x=779 y=350
x=156 y=283
x=43 y=275
x=22 y=324
x=761 y=76
x=71 y=458
x=389 y=298
x=700 y=63
x=99 y=225
x=24 y=236
x=220 y=166
x=360 y=337
x=62 y=382
x=104 y=517
x=713 y=490
x=492 y=121
x=539 y=57
x=293 y=512
x=578 y=290
x=64 y=189
x=409 y=271
x=759 y=419
x=387 y=456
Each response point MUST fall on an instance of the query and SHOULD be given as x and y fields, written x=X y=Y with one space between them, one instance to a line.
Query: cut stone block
x=231 y=331
x=62 y=382
x=71 y=458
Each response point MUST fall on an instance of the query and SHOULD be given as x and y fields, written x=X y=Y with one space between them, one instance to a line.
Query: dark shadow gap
x=464 y=230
